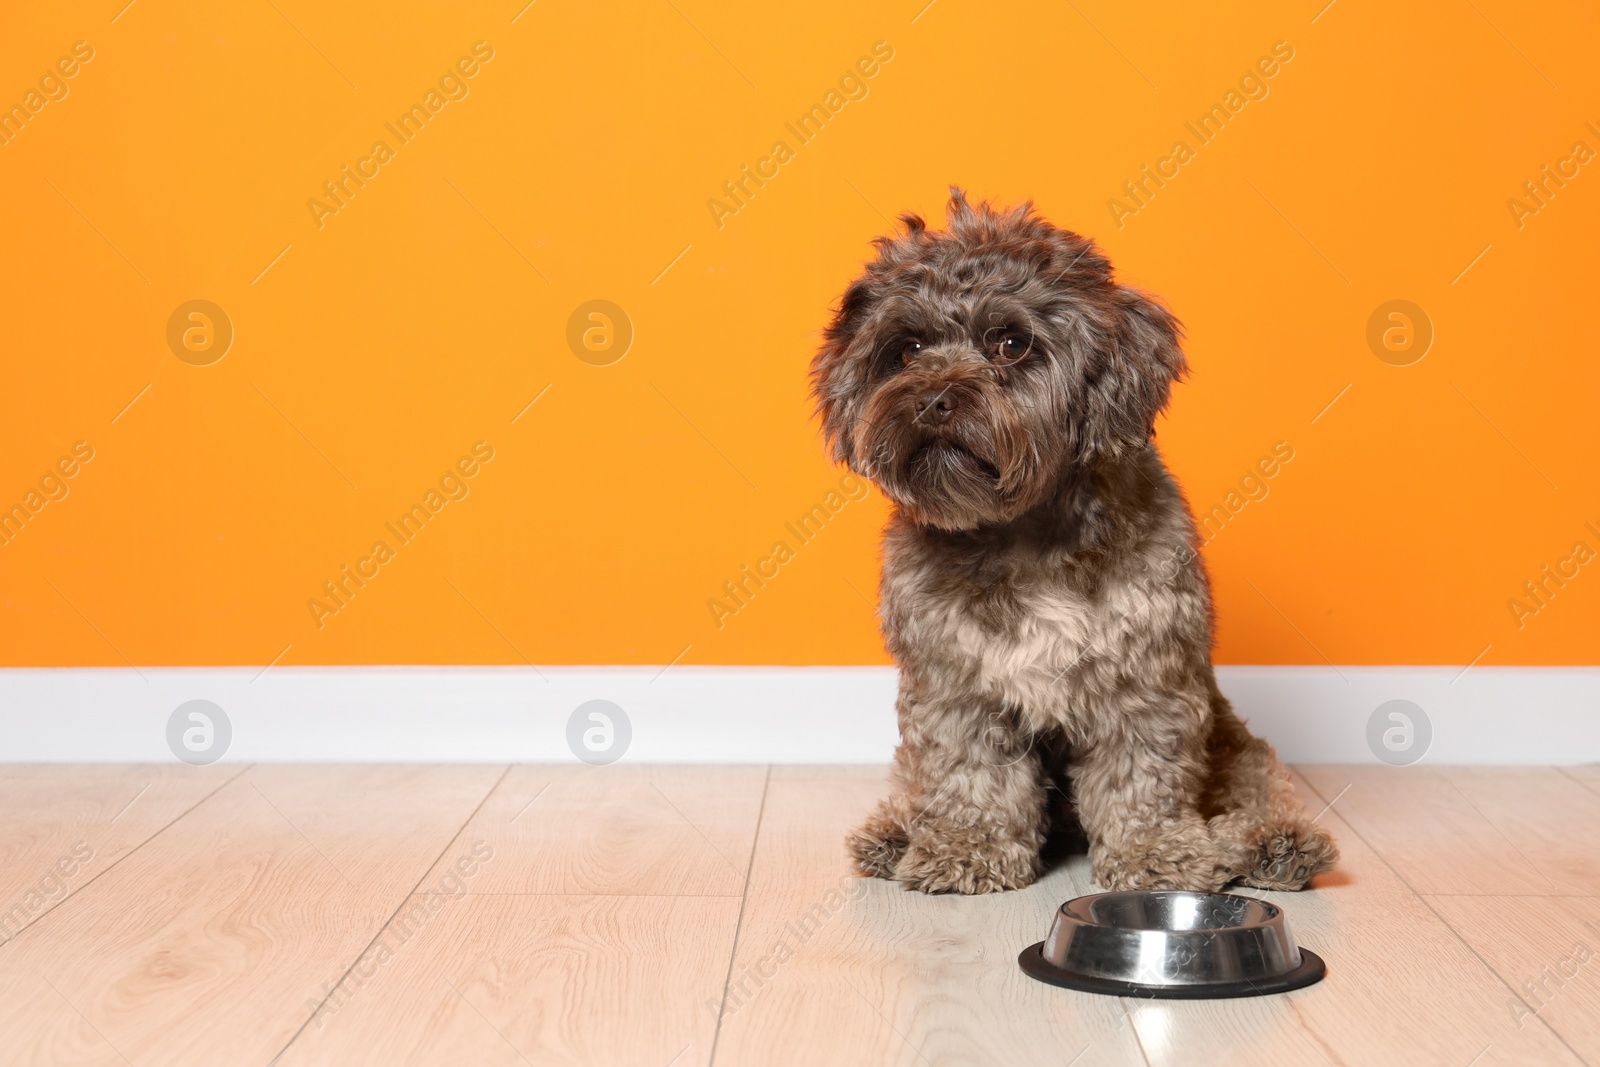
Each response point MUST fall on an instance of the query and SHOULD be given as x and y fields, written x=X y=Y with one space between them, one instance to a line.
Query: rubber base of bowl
x=1311 y=970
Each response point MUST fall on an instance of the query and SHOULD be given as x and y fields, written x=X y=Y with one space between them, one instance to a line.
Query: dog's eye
x=909 y=350
x=1010 y=348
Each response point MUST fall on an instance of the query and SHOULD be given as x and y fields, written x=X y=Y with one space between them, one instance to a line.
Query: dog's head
x=966 y=371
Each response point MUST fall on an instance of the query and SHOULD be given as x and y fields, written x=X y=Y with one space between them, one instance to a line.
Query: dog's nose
x=935 y=406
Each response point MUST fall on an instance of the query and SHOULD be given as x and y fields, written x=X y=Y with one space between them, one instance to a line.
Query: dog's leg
x=1138 y=793
x=1256 y=816
x=967 y=814
x=877 y=844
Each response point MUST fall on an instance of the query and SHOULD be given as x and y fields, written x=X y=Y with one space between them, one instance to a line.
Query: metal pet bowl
x=1193 y=946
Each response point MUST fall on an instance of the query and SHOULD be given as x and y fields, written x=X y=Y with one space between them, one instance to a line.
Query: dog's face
x=967 y=370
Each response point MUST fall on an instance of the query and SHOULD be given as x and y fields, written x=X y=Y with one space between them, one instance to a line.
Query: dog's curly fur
x=1041 y=592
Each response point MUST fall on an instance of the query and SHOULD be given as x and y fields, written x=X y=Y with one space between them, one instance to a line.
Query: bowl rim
x=1080 y=909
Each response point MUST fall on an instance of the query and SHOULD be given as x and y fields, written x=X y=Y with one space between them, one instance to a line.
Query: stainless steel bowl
x=1169 y=944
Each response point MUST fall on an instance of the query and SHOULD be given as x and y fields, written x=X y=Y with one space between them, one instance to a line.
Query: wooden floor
x=678 y=916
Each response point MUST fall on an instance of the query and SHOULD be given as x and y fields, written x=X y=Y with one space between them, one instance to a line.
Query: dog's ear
x=1129 y=385
x=836 y=380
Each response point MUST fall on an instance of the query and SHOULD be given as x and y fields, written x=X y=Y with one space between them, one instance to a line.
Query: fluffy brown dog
x=1041 y=593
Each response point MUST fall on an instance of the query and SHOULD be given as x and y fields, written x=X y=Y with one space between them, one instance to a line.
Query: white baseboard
x=1487 y=715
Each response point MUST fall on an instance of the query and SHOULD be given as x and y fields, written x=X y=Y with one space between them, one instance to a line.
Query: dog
x=1041 y=592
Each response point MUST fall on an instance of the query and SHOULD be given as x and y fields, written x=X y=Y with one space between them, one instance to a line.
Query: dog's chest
x=1033 y=635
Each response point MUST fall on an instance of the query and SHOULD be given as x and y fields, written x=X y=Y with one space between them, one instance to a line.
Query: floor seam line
x=738 y=926
x=1591 y=786
x=1446 y=924
x=118 y=861
x=390 y=920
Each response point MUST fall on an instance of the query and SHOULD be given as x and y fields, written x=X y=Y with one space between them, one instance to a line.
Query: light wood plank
x=1547 y=949
x=1401 y=987
x=629 y=829
x=510 y=979
x=1494 y=830
x=1587 y=773
x=204 y=946
x=598 y=929
x=66 y=825
x=833 y=969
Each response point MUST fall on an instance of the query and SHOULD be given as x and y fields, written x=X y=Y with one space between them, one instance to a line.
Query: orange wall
x=424 y=315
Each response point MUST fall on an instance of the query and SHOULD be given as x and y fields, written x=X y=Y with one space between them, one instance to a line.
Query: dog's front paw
x=966 y=862
x=1197 y=867
x=1291 y=856
x=877 y=845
